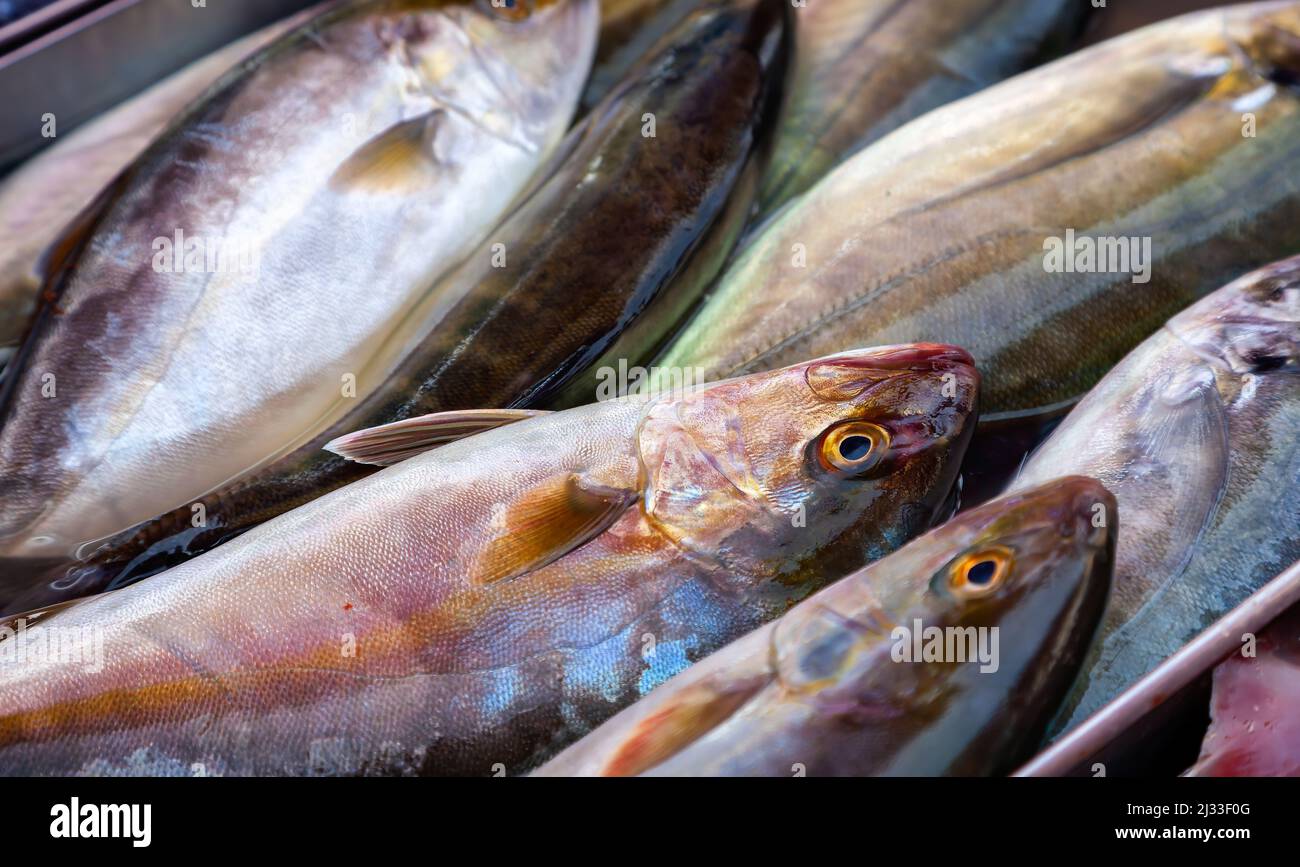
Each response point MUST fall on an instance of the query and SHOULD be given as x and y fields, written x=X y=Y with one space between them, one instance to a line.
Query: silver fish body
x=45 y=194
x=237 y=291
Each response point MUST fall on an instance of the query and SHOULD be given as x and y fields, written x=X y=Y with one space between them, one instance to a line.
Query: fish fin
x=679 y=723
x=389 y=444
x=546 y=523
x=399 y=158
x=1185 y=440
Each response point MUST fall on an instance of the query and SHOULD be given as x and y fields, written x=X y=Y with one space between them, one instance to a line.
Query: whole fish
x=245 y=276
x=1254 y=719
x=597 y=266
x=865 y=67
x=1171 y=150
x=485 y=603
x=1195 y=434
x=45 y=194
x=945 y=658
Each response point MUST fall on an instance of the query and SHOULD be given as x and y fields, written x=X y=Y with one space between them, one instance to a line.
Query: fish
x=1194 y=433
x=943 y=659
x=46 y=193
x=1254 y=727
x=863 y=68
x=246 y=276
x=475 y=607
x=595 y=268
x=1169 y=149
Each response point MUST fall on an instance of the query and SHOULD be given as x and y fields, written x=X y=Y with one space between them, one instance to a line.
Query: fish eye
x=853 y=447
x=509 y=10
x=980 y=572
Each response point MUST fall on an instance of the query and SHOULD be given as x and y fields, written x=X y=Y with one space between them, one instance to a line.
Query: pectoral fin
x=684 y=720
x=546 y=523
x=399 y=158
x=389 y=444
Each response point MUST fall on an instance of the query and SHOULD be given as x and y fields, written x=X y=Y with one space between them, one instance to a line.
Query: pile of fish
x=623 y=388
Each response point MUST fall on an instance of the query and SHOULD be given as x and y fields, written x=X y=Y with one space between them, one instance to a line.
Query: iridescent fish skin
x=1255 y=709
x=834 y=688
x=1195 y=434
x=595 y=268
x=940 y=230
x=341 y=171
x=865 y=67
x=43 y=195
x=490 y=601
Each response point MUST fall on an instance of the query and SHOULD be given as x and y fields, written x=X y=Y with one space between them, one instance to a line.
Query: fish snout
x=850 y=375
x=1091 y=511
x=904 y=357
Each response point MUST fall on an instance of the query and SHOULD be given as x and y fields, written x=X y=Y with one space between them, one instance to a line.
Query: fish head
x=528 y=56
x=1012 y=591
x=1249 y=328
x=1268 y=36
x=805 y=473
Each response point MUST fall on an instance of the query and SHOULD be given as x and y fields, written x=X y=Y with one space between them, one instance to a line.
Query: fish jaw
x=172 y=403
x=735 y=472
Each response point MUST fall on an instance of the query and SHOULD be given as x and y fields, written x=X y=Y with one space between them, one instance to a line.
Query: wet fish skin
x=938 y=230
x=865 y=67
x=171 y=383
x=1194 y=433
x=628 y=30
x=721 y=512
x=823 y=692
x=1254 y=727
x=600 y=263
x=45 y=194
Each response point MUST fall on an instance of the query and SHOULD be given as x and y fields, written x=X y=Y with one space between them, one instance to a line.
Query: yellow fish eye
x=980 y=572
x=853 y=447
